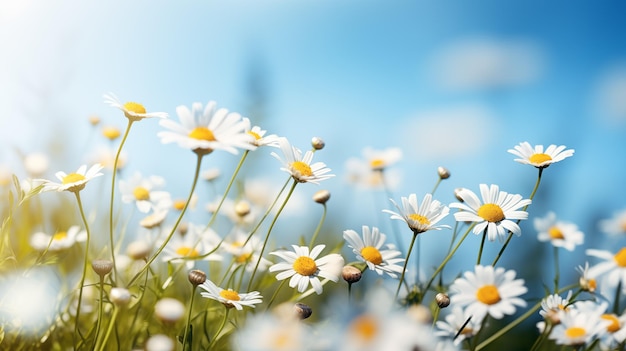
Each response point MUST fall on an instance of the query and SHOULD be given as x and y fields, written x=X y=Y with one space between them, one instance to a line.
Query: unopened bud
x=119 y=296
x=321 y=196
x=457 y=193
x=302 y=311
x=317 y=143
x=102 y=267
x=160 y=342
x=351 y=274
x=443 y=172
x=242 y=208
x=419 y=313
x=196 y=277
x=138 y=250
x=443 y=300
x=169 y=310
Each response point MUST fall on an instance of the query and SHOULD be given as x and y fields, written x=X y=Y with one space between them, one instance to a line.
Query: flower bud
x=419 y=313
x=169 y=310
x=351 y=274
x=321 y=196
x=160 y=342
x=302 y=311
x=196 y=277
x=119 y=296
x=102 y=267
x=242 y=208
x=317 y=143
x=443 y=300
x=443 y=172
x=457 y=192
x=138 y=250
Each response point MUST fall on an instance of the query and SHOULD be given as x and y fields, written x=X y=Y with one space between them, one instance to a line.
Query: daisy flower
x=420 y=218
x=206 y=129
x=360 y=173
x=551 y=308
x=132 y=110
x=539 y=157
x=189 y=247
x=488 y=290
x=230 y=298
x=559 y=233
x=580 y=324
x=248 y=254
x=615 y=225
x=260 y=139
x=73 y=182
x=142 y=192
x=299 y=166
x=495 y=214
x=454 y=322
x=371 y=249
x=379 y=160
x=586 y=281
x=59 y=241
x=614 y=266
x=267 y=331
x=304 y=268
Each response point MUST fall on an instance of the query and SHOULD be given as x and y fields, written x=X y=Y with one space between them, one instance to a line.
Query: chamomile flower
x=615 y=333
x=420 y=218
x=371 y=249
x=559 y=233
x=552 y=306
x=488 y=290
x=381 y=159
x=495 y=214
x=581 y=324
x=613 y=267
x=247 y=254
x=615 y=225
x=132 y=110
x=260 y=139
x=73 y=182
x=203 y=130
x=586 y=281
x=300 y=166
x=269 y=332
x=539 y=157
x=60 y=240
x=142 y=191
x=451 y=326
x=196 y=242
x=230 y=298
x=304 y=267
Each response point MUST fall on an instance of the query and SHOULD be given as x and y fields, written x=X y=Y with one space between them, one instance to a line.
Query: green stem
x=100 y=313
x=267 y=212
x=318 y=229
x=269 y=304
x=616 y=309
x=556 y=269
x=482 y=245
x=269 y=231
x=180 y=217
x=117 y=157
x=84 y=274
x=230 y=184
x=109 y=329
x=219 y=330
x=406 y=262
x=532 y=195
x=436 y=186
x=193 y=294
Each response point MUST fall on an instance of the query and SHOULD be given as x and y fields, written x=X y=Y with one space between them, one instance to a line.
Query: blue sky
x=451 y=83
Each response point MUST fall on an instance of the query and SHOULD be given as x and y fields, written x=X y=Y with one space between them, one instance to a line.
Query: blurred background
x=449 y=83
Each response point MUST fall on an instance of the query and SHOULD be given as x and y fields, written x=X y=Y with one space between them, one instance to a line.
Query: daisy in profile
x=457 y=319
x=203 y=130
x=379 y=160
x=552 y=306
x=586 y=281
x=304 y=267
x=559 y=233
x=132 y=110
x=230 y=298
x=60 y=240
x=495 y=214
x=300 y=166
x=73 y=182
x=142 y=191
x=420 y=218
x=613 y=266
x=371 y=249
x=260 y=139
x=581 y=324
x=488 y=291
x=539 y=157
x=615 y=225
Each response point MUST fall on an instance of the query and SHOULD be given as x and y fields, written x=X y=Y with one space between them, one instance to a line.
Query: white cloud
x=484 y=63
x=448 y=132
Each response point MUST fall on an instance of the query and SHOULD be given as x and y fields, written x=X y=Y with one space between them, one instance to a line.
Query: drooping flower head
x=203 y=130
x=229 y=297
x=132 y=110
x=304 y=267
x=539 y=157
x=488 y=290
x=559 y=233
x=495 y=214
x=371 y=249
x=300 y=166
x=73 y=182
x=420 y=218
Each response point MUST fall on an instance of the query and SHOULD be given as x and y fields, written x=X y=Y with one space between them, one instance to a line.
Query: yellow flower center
x=179 y=204
x=202 y=133
x=186 y=251
x=281 y=341
x=141 y=194
x=305 y=266
x=488 y=294
x=243 y=258
x=539 y=158
x=301 y=168
x=230 y=295
x=620 y=257
x=372 y=254
x=59 y=236
x=73 y=178
x=135 y=108
x=575 y=332
x=111 y=133
x=491 y=213
x=555 y=233
x=377 y=163
x=366 y=327
x=255 y=135
x=419 y=218
x=615 y=325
